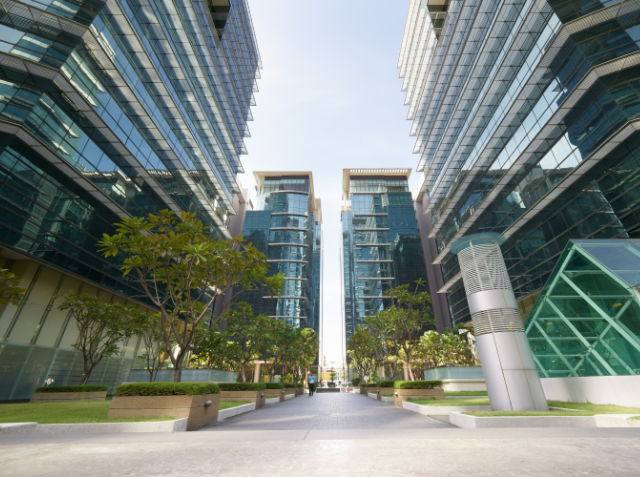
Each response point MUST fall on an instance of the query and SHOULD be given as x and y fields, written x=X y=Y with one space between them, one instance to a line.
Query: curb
x=234 y=411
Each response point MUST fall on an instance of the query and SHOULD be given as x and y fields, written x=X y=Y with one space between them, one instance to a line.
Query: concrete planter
x=599 y=420
x=200 y=410
x=364 y=390
x=293 y=391
x=440 y=410
x=279 y=393
x=234 y=411
x=63 y=397
x=382 y=391
x=401 y=395
x=634 y=422
x=299 y=391
x=464 y=385
x=256 y=397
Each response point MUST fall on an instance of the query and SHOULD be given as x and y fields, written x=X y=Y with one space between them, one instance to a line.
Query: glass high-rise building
x=108 y=109
x=286 y=225
x=525 y=115
x=380 y=246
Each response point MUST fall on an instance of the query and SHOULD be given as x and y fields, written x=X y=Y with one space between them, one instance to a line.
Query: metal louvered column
x=507 y=361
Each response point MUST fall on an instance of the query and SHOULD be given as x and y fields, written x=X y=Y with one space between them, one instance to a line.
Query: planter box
x=256 y=397
x=634 y=422
x=274 y=392
x=364 y=390
x=401 y=395
x=382 y=391
x=299 y=391
x=62 y=397
x=194 y=408
x=293 y=391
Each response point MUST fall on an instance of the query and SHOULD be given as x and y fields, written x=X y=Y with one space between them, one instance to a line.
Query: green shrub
x=166 y=389
x=298 y=385
x=275 y=385
x=70 y=389
x=242 y=386
x=386 y=384
x=356 y=381
x=417 y=384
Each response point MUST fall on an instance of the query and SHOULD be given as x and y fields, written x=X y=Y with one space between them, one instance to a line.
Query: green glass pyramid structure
x=586 y=321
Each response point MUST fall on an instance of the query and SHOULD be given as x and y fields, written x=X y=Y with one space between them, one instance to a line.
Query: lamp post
x=509 y=369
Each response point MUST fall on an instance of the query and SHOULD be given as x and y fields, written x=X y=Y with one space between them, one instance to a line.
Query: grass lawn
x=74 y=412
x=451 y=402
x=635 y=418
x=64 y=413
x=387 y=395
x=466 y=393
x=582 y=409
x=230 y=404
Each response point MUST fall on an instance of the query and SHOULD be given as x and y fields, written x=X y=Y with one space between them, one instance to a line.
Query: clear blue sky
x=329 y=99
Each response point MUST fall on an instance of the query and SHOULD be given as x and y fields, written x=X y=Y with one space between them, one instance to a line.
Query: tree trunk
x=411 y=378
x=178 y=367
x=243 y=375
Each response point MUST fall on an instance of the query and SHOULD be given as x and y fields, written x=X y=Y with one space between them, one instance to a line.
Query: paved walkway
x=354 y=436
x=330 y=411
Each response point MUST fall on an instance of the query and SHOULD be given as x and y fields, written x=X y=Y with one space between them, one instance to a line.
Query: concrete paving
x=326 y=412
x=267 y=443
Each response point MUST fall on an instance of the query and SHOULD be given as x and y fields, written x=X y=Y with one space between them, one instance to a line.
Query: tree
x=183 y=271
x=101 y=326
x=450 y=347
x=385 y=350
x=361 y=349
x=300 y=353
x=248 y=337
x=153 y=341
x=403 y=321
x=9 y=289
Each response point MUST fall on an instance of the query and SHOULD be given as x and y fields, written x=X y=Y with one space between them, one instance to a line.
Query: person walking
x=311 y=380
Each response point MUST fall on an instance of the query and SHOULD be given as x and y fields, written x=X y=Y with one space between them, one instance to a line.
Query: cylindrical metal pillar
x=509 y=370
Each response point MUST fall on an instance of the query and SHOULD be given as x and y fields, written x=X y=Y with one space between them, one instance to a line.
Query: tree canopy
x=182 y=270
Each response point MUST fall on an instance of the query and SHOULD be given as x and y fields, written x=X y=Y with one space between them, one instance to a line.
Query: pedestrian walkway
x=331 y=411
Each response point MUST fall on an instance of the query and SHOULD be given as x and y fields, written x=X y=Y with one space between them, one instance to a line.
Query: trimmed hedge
x=166 y=389
x=417 y=384
x=386 y=384
x=275 y=385
x=298 y=385
x=242 y=386
x=71 y=389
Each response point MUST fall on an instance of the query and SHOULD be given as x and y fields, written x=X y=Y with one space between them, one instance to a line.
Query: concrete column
x=509 y=369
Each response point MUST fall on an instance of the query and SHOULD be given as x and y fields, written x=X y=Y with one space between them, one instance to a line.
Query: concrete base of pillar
x=510 y=372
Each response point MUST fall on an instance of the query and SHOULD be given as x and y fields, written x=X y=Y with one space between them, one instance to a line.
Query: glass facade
x=286 y=225
x=111 y=109
x=586 y=321
x=380 y=246
x=540 y=143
